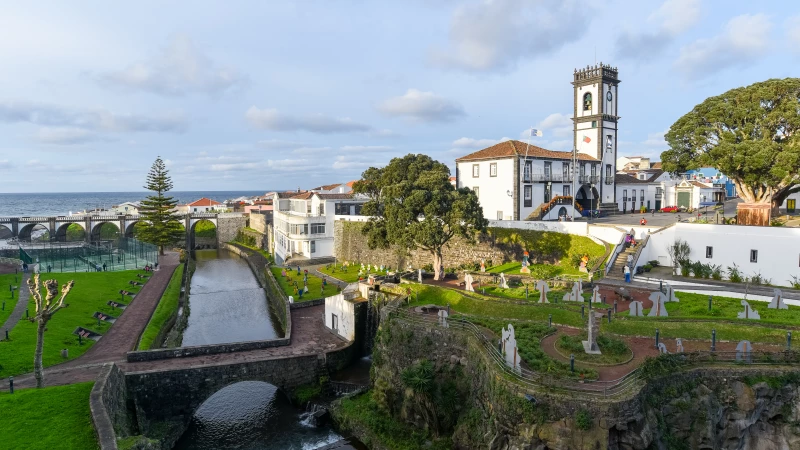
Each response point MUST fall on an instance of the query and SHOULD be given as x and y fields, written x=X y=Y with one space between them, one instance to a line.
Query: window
x=624 y=194
x=317 y=228
x=753 y=256
x=493 y=169
x=608 y=142
x=633 y=195
x=608 y=170
x=567 y=190
x=594 y=170
x=587 y=101
x=548 y=169
x=475 y=170
x=322 y=209
x=565 y=171
x=548 y=193
x=528 y=196
x=475 y=190
x=308 y=207
x=499 y=215
x=709 y=252
x=594 y=124
x=334 y=322
x=195 y=210
x=527 y=170
x=313 y=246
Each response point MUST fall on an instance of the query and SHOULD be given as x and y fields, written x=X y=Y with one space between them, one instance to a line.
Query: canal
x=226 y=302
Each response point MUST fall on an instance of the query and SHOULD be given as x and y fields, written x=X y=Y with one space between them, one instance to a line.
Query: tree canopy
x=413 y=205
x=159 y=224
x=749 y=134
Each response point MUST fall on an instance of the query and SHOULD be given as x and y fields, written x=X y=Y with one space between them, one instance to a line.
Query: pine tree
x=158 y=223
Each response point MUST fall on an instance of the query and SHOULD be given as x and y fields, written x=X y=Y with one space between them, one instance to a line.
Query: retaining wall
x=107 y=402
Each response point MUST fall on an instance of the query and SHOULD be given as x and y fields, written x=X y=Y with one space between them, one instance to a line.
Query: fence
x=119 y=254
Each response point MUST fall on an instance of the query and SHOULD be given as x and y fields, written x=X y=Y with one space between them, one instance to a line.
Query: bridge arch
x=6 y=232
x=130 y=229
x=202 y=232
x=70 y=232
x=105 y=231
x=31 y=229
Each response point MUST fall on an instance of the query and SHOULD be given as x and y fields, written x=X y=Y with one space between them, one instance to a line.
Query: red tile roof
x=303 y=196
x=204 y=202
x=508 y=149
x=656 y=165
x=335 y=196
x=326 y=187
x=351 y=183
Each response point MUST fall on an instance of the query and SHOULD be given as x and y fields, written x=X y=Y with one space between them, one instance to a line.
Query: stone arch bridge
x=21 y=227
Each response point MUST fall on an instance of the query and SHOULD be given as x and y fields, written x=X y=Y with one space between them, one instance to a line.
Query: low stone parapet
x=199 y=350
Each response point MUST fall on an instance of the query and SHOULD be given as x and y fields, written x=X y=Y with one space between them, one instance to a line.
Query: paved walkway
x=23 y=295
x=309 y=336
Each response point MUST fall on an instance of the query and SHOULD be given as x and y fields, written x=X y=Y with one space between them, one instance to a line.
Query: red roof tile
x=508 y=149
x=204 y=202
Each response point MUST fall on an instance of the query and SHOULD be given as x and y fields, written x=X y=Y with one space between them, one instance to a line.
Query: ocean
x=62 y=203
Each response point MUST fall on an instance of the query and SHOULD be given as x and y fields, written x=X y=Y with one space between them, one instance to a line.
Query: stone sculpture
x=748 y=313
x=670 y=293
x=483 y=266
x=503 y=282
x=468 y=282
x=743 y=351
x=509 y=347
x=575 y=294
x=777 y=301
x=419 y=275
x=590 y=344
x=662 y=349
x=525 y=263
x=658 y=309
x=443 y=317
x=543 y=289
x=596 y=297
x=679 y=344
x=636 y=309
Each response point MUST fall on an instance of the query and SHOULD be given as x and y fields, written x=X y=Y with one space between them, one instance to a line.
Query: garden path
x=23 y=295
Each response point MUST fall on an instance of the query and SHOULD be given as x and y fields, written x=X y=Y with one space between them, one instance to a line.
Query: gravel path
x=22 y=302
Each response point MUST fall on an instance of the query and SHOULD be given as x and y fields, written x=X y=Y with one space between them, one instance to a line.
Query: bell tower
x=595 y=121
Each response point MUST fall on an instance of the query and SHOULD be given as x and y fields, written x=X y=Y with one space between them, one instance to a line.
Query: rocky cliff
x=440 y=381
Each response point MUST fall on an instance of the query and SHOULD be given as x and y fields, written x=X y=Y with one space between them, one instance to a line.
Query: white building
x=204 y=205
x=515 y=181
x=656 y=189
x=336 y=188
x=303 y=222
x=126 y=208
x=340 y=312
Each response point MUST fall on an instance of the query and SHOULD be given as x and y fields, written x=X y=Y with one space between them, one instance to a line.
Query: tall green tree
x=159 y=224
x=750 y=134
x=413 y=205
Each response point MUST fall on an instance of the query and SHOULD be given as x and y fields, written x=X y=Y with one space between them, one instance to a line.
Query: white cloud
x=555 y=125
x=745 y=39
x=419 y=106
x=366 y=148
x=272 y=119
x=493 y=35
x=466 y=142
x=60 y=125
x=5 y=164
x=178 y=69
x=350 y=163
x=275 y=144
x=793 y=33
x=667 y=22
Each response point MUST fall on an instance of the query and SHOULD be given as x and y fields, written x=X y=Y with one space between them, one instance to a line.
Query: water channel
x=228 y=305
x=226 y=302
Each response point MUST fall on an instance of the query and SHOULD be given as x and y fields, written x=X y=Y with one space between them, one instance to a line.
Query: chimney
x=644 y=163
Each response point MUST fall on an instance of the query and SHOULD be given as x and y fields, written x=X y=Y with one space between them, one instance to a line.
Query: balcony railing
x=588 y=179
x=624 y=199
x=641 y=199
x=609 y=180
x=658 y=196
x=544 y=177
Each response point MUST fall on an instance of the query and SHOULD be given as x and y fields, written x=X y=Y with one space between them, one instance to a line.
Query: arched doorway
x=562 y=212
x=588 y=197
x=204 y=234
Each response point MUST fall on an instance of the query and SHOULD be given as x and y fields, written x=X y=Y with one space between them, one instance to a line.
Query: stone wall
x=107 y=402
x=261 y=239
x=258 y=222
x=199 y=350
x=498 y=245
x=227 y=227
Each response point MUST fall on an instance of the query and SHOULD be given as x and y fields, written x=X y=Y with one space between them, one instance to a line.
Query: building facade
x=303 y=222
x=518 y=181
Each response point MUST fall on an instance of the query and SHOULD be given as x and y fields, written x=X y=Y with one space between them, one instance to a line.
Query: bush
x=795 y=282
x=647 y=267
x=734 y=274
x=583 y=420
x=685 y=268
x=653 y=263
x=716 y=272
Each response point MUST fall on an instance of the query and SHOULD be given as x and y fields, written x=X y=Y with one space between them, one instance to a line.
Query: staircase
x=608 y=209
x=619 y=263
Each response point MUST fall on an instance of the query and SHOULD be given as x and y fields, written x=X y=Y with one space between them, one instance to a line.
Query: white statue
x=509 y=347
x=777 y=301
x=636 y=309
x=419 y=275
x=596 y=297
x=503 y=282
x=748 y=313
x=543 y=289
x=443 y=317
x=743 y=350
x=662 y=349
x=679 y=343
x=658 y=309
x=468 y=282
x=575 y=294
x=670 y=293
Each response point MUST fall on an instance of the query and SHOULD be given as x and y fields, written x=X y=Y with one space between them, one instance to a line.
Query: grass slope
x=314 y=285
x=91 y=292
x=167 y=307
x=5 y=296
x=48 y=418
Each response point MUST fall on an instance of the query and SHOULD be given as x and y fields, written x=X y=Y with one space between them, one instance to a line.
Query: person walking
x=627 y=271
x=104 y=267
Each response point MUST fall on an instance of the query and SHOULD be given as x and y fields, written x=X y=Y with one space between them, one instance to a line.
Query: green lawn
x=694 y=330
x=487 y=308
x=727 y=308
x=91 y=292
x=347 y=274
x=615 y=351
x=5 y=296
x=539 y=271
x=263 y=252
x=49 y=418
x=518 y=293
x=167 y=307
x=314 y=285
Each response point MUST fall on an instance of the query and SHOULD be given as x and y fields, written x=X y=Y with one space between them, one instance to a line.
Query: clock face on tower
x=609 y=96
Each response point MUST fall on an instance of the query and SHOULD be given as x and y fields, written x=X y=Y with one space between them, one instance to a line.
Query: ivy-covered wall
x=498 y=245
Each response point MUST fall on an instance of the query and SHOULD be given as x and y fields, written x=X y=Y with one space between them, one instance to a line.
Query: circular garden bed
x=614 y=350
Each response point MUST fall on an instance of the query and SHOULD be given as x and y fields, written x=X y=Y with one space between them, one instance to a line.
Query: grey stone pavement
x=23 y=295
x=660 y=219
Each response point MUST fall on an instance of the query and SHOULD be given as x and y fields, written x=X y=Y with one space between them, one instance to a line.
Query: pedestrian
x=105 y=268
x=627 y=271
x=24 y=267
x=49 y=268
x=630 y=260
x=654 y=212
x=156 y=266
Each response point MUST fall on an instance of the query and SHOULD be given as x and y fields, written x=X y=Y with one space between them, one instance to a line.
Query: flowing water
x=253 y=415
x=226 y=302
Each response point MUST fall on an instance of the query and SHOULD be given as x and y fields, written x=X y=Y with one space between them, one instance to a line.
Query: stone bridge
x=21 y=227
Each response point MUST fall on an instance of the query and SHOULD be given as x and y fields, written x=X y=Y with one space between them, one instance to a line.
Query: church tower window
x=587 y=101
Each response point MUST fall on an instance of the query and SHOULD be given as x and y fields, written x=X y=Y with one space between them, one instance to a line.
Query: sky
x=258 y=95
